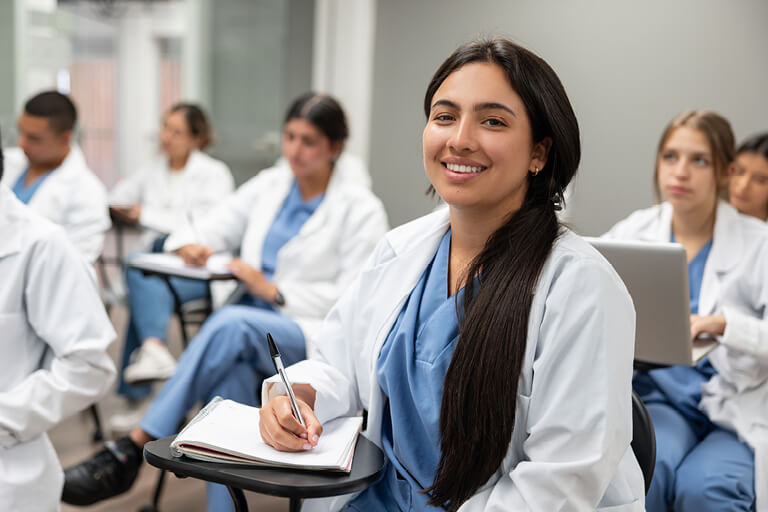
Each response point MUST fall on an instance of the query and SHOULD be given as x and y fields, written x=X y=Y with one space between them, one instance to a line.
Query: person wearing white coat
x=491 y=346
x=704 y=415
x=308 y=235
x=54 y=339
x=48 y=172
x=748 y=185
x=176 y=189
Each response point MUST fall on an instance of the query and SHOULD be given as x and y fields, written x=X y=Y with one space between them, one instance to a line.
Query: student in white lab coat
x=48 y=173
x=304 y=231
x=748 y=185
x=177 y=188
x=710 y=427
x=491 y=346
x=54 y=362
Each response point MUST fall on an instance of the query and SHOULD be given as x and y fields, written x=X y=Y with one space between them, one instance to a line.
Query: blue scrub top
x=292 y=215
x=411 y=370
x=25 y=193
x=680 y=386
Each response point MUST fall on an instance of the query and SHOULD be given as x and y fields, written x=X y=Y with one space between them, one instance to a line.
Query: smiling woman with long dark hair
x=490 y=345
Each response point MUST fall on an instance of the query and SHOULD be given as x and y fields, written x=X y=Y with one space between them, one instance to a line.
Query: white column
x=343 y=62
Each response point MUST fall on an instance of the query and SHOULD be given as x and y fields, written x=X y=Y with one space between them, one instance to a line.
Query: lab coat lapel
x=727 y=245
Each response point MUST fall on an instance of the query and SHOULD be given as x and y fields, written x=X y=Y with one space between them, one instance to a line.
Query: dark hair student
x=54 y=106
x=324 y=112
x=491 y=346
x=197 y=122
x=494 y=309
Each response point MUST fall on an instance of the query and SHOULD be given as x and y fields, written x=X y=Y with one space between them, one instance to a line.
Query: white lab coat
x=169 y=199
x=735 y=284
x=570 y=448
x=53 y=338
x=315 y=266
x=72 y=197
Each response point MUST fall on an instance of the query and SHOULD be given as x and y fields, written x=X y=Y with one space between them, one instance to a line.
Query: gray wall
x=628 y=68
x=260 y=58
x=7 y=64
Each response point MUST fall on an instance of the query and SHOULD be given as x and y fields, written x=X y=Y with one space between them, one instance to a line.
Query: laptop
x=656 y=275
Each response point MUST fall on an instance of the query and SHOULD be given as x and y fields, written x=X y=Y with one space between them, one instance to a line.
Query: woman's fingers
x=282 y=430
x=313 y=427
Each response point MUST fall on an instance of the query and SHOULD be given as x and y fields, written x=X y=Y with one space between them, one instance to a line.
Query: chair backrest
x=643 y=439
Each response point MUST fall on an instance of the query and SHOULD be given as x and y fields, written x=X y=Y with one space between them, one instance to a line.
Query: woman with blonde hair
x=700 y=414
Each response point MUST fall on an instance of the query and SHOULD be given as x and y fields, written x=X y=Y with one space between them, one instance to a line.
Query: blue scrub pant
x=151 y=307
x=700 y=467
x=230 y=358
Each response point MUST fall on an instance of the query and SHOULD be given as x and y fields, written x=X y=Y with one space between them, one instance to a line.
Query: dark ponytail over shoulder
x=480 y=391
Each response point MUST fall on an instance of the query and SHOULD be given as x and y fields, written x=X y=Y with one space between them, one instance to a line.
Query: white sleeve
x=579 y=421
x=746 y=333
x=128 y=191
x=87 y=220
x=64 y=310
x=364 y=226
x=331 y=370
x=204 y=196
x=224 y=227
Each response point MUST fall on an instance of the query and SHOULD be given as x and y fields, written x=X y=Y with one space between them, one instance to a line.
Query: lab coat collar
x=727 y=246
x=10 y=232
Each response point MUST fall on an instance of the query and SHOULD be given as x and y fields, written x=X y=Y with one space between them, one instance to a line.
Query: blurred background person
x=748 y=187
x=48 y=173
x=54 y=346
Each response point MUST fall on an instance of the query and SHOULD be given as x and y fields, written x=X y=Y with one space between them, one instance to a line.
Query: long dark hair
x=480 y=392
x=757 y=144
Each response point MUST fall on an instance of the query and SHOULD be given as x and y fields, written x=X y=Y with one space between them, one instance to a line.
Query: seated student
x=175 y=189
x=748 y=185
x=54 y=339
x=303 y=234
x=48 y=172
x=702 y=461
x=180 y=185
x=491 y=346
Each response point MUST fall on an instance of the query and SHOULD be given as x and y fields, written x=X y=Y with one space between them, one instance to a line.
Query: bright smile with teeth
x=464 y=169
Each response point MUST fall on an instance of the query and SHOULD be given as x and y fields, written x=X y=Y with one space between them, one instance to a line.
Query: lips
x=464 y=169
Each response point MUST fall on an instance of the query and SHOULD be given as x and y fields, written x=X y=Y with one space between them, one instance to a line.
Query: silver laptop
x=656 y=275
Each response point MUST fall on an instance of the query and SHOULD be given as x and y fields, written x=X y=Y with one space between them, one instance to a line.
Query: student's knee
x=225 y=322
x=707 y=488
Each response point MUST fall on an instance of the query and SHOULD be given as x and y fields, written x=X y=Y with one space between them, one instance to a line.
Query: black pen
x=281 y=371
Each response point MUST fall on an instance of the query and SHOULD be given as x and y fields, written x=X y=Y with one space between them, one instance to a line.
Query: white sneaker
x=127 y=416
x=151 y=361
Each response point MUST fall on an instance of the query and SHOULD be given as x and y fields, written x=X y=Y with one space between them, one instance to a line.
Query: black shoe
x=110 y=472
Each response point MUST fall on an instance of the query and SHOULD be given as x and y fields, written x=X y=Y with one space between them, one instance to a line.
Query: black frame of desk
x=367 y=466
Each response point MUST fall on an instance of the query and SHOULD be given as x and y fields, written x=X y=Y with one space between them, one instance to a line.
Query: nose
x=291 y=148
x=680 y=169
x=739 y=184
x=463 y=138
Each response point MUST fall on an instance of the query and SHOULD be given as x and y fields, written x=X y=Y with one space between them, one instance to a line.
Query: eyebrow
x=488 y=105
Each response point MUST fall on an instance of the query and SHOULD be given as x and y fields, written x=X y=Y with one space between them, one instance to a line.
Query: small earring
x=534 y=172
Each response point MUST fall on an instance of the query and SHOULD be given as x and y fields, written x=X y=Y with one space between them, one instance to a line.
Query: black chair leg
x=98 y=431
x=294 y=505
x=238 y=498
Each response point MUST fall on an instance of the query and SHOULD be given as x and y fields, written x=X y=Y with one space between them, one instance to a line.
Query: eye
x=444 y=118
x=669 y=157
x=700 y=161
x=761 y=180
x=495 y=123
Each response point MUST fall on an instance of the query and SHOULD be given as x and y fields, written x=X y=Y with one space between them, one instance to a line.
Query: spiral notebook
x=227 y=431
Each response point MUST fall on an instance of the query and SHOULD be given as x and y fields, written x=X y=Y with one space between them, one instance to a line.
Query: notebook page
x=234 y=428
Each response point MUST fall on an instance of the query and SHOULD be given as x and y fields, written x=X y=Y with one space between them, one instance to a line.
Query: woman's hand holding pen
x=253 y=279
x=194 y=254
x=281 y=430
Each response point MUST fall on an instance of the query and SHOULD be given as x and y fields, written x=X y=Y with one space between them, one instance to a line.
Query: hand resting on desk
x=280 y=428
x=254 y=280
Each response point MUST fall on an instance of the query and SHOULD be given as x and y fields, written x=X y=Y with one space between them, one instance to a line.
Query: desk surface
x=367 y=465
x=196 y=273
